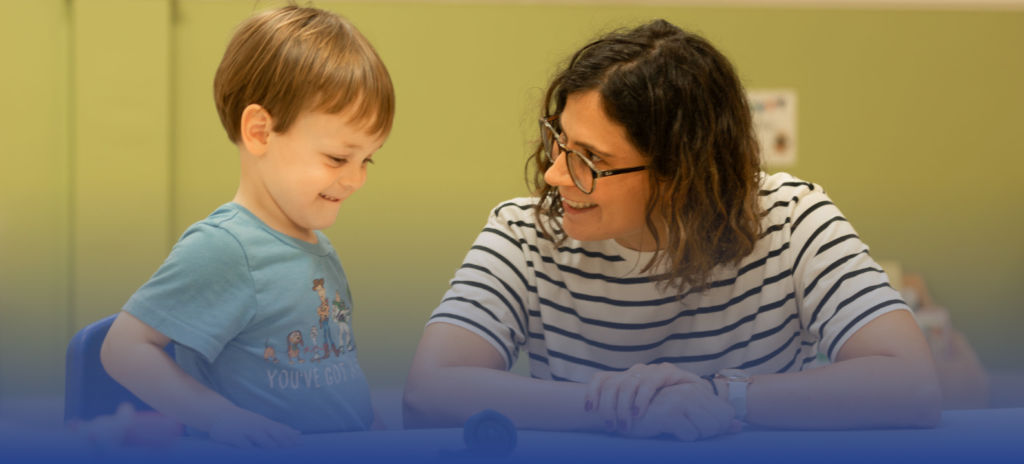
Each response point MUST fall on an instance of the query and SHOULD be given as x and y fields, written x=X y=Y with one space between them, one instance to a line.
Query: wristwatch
x=737 y=380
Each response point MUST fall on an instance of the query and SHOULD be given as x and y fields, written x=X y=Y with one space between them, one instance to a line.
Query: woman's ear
x=256 y=127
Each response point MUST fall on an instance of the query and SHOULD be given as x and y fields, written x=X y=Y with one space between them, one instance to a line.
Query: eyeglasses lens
x=581 y=173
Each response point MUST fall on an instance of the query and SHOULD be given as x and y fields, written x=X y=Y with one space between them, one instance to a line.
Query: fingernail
x=622 y=426
x=636 y=411
x=590 y=405
x=609 y=426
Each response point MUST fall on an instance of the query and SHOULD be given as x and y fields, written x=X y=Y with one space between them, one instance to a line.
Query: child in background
x=243 y=294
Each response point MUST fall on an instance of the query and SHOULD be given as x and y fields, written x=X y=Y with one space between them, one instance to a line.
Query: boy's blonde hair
x=295 y=59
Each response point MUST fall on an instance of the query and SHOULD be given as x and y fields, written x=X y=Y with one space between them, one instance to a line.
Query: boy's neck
x=253 y=196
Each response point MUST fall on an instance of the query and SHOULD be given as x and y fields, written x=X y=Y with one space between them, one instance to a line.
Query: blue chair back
x=88 y=390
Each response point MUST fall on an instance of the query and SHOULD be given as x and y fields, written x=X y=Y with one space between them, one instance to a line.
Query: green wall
x=909 y=119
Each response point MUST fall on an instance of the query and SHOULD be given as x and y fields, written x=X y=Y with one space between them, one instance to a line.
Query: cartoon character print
x=268 y=352
x=343 y=317
x=316 y=351
x=323 y=312
x=294 y=341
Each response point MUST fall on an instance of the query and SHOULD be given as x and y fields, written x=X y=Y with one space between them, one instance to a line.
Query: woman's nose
x=558 y=174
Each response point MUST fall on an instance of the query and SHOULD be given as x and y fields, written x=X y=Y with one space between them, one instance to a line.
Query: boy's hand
x=243 y=429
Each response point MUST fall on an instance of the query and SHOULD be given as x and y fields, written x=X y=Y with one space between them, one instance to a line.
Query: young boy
x=244 y=293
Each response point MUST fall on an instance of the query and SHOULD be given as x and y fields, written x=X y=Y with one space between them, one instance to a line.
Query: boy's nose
x=353 y=181
x=558 y=174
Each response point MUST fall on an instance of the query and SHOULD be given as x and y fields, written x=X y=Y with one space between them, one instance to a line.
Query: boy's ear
x=256 y=127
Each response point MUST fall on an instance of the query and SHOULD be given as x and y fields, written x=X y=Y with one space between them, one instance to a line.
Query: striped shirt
x=585 y=307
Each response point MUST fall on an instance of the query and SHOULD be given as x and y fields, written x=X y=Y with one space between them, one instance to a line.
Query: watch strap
x=738 y=398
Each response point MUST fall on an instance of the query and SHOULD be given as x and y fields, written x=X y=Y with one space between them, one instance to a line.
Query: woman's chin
x=582 y=234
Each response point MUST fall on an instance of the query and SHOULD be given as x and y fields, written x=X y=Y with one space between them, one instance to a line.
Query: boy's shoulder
x=228 y=223
x=231 y=228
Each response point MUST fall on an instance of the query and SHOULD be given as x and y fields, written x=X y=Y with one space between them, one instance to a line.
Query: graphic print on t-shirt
x=298 y=352
x=343 y=316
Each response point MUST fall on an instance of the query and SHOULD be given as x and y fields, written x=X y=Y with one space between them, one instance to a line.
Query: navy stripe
x=535 y=336
x=505 y=236
x=482 y=286
x=508 y=287
x=835 y=242
x=503 y=259
x=601 y=277
x=830 y=268
x=809 y=211
x=835 y=288
x=743 y=344
x=847 y=302
x=857 y=319
x=769 y=356
x=774 y=228
x=808 y=359
x=522 y=242
x=508 y=356
x=601 y=299
x=791 y=361
x=809 y=241
x=778 y=204
x=786 y=184
x=581 y=361
x=512 y=203
x=539 y=358
x=675 y=336
x=664 y=322
x=561 y=379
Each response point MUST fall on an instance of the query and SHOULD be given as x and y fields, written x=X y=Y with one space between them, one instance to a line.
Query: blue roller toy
x=488 y=434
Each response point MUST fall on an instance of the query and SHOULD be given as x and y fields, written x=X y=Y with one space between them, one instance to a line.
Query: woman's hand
x=622 y=396
x=243 y=429
x=686 y=411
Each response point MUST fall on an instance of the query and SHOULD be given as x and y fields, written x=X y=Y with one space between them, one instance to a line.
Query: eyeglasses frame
x=545 y=123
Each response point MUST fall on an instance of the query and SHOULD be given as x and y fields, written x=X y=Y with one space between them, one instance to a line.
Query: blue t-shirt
x=262 y=318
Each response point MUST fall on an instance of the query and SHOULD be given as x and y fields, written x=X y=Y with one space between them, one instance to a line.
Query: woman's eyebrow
x=591 y=148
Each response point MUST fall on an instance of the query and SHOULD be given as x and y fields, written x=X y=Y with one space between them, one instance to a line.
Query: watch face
x=734 y=374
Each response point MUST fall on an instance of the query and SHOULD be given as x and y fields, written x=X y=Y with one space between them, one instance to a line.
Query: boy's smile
x=295 y=181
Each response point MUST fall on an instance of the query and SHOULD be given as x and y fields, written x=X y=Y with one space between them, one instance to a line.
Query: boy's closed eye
x=340 y=160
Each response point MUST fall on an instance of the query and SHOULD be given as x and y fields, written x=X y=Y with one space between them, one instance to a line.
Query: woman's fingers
x=703 y=421
x=609 y=401
x=684 y=430
x=625 y=404
x=735 y=426
x=592 y=398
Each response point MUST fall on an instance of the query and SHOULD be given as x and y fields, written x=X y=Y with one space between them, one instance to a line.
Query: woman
x=656 y=252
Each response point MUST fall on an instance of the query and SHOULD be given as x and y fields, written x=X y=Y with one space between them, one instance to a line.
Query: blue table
x=995 y=435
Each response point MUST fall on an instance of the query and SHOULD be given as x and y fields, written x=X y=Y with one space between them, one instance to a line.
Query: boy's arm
x=133 y=354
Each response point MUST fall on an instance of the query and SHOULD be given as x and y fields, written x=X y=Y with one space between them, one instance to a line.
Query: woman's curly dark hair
x=685 y=111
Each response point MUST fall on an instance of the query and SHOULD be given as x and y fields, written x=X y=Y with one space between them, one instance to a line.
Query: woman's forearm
x=884 y=376
x=866 y=392
x=447 y=396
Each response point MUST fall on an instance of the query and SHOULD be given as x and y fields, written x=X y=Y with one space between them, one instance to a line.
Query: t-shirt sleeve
x=839 y=286
x=489 y=292
x=203 y=295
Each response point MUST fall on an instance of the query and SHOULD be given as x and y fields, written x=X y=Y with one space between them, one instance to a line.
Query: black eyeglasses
x=581 y=169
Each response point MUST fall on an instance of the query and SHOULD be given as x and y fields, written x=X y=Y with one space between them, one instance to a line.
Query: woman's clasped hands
x=649 y=400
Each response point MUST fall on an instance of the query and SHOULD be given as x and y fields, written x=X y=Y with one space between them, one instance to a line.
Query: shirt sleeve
x=203 y=295
x=489 y=293
x=839 y=286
